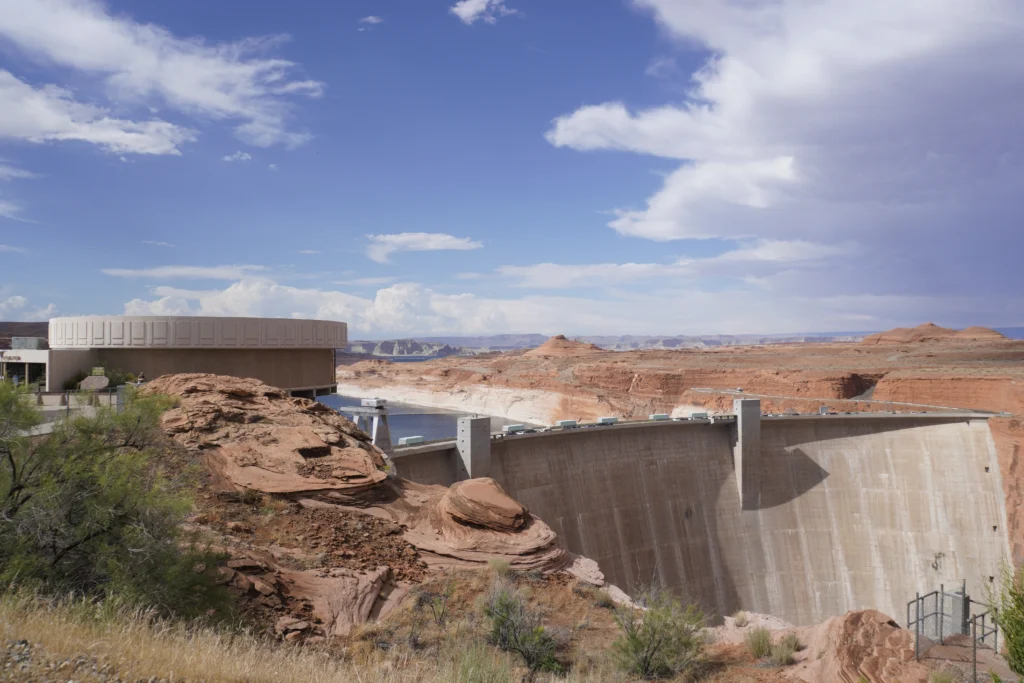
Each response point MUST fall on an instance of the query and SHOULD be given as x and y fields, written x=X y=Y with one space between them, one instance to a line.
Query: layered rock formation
x=257 y=440
x=560 y=346
x=930 y=332
x=861 y=646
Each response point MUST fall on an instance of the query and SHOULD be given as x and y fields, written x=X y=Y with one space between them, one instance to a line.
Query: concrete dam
x=802 y=517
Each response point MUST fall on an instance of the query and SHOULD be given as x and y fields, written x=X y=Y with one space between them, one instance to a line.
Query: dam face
x=847 y=512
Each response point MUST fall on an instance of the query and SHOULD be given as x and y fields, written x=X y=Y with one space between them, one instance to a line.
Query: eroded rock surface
x=256 y=440
x=865 y=645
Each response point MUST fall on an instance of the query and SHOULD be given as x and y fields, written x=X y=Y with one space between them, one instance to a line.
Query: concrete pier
x=746 y=453
x=473 y=443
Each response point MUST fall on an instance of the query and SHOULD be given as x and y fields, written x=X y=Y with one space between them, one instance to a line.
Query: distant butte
x=560 y=346
x=931 y=332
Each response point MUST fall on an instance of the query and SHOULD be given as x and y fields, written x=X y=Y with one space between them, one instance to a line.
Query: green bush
x=759 y=642
x=88 y=510
x=518 y=629
x=664 y=640
x=1008 y=598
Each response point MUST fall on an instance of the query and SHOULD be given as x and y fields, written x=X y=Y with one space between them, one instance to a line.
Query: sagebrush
x=666 y=639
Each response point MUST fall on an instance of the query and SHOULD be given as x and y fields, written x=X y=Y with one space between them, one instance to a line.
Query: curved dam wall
x=848 y=512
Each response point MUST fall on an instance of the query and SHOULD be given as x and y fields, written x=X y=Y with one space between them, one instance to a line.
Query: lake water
x=410 y=420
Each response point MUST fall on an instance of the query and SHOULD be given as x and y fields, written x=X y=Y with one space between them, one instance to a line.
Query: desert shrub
x=500 y=568
x=792 y=642
x=517 y=628
x=604 y=600
x=87 y=510
x=995 y=678
x=782 y=653
x=759 y=642
x=740 y=619
x=664 y=640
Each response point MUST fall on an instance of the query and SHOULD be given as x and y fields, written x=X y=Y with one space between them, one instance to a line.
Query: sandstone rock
x=288 y=624
x=256 y=437
x=94 y=383
x=560 y=346
x=482 y=502
x=865 y=645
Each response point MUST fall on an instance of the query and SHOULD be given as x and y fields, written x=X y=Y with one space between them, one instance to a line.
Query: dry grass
x=137 y=646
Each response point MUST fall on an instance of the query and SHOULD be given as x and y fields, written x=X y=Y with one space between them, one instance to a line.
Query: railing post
x=917 y=626
x=974 y=645
x=942 y=609
x=995 y=623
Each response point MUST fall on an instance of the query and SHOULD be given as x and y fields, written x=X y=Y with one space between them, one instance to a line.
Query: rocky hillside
x=350 y=540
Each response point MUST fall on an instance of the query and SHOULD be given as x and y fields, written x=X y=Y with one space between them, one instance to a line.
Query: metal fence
x=941 y=614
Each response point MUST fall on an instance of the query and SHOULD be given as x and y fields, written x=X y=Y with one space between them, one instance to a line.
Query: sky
x=427 y=167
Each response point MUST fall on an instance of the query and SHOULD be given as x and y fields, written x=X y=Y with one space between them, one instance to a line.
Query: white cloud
x=155 y=243
x=272 y=167
x=410 y=309
x=17 y=309
x=825 y=117
x=469 y=11
x=746 y=263
x=309 y=252
x=8 y=172
x=238 y=156
x=10 y=210
x=50 y=113
x=187 y=272
x=382 y=246
x=662 y=67
x=137 y=63
x=7 y=248
x=367 y=281
x=371 y=20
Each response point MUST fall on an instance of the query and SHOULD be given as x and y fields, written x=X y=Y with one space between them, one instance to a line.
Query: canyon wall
x=854 y=512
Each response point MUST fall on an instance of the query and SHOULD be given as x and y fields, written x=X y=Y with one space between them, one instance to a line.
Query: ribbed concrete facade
x=849 y=513
x=192 y=332
x=296 y=355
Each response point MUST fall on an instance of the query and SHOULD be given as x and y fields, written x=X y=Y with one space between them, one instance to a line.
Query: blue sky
x=484 y=166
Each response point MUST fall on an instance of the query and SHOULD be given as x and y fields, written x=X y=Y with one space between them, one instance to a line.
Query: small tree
x=87 y=509
x=1008 y=598
x=518 y=629
x=666 y=639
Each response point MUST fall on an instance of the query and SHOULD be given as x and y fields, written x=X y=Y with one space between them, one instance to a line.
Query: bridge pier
x=746 y=454
x=473 y=443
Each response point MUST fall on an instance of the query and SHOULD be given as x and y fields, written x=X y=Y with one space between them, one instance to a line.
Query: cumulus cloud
x=17 y=309
x=406 y=309
x=238 y=156
x=382 y=246
x=803 y=110
x=187 y=272
x=488 y=11
x=371 y=20
x=137 y=63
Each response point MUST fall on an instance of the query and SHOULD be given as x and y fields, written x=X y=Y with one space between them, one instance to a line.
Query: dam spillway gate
x=805 y=517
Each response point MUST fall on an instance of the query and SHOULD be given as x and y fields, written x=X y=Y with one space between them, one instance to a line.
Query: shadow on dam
x=851 y=512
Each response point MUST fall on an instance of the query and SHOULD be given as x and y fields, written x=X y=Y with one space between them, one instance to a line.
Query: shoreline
x=525 y=405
